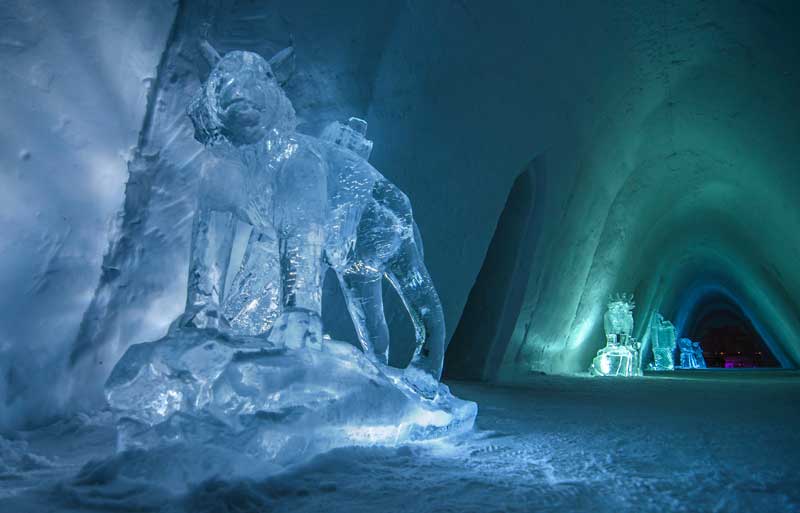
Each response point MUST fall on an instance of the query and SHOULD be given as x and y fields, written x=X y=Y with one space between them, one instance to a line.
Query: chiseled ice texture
x=202 y=388
x=247 y=366
x=691 y=354
x=663 y=340
x=307 y=204
x=621 y=355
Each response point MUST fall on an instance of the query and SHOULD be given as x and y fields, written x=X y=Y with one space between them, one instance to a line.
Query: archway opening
x=727 y=335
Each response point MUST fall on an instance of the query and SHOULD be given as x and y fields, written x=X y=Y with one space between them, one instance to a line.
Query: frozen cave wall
x=668 y=130
x=74 y=83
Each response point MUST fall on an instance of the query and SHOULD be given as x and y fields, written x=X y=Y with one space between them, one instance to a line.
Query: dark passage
x=727 y=335
x=494 y=302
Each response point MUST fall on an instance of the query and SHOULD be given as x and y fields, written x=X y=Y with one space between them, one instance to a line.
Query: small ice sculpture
x=246 y=367
x=699 y=359
x=691 y=354
x=662 y=338
x=621 y=355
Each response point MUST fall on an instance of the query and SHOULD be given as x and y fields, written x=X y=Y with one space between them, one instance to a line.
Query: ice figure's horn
x=282 y=64
x=211 y=55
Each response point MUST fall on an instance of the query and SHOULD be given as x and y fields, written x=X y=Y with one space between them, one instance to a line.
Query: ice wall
x=75 y=78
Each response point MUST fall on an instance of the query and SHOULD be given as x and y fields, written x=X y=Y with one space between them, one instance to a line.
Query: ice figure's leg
x=212 y=239
x=364 y=298
x=408 y=274
x=253 y=302
x=299 y=216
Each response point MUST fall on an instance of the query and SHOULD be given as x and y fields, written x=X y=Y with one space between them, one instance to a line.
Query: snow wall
x=668 y=130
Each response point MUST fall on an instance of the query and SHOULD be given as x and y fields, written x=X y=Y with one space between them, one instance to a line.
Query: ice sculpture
x=621 y=355
x=662 y=338
x=691 y=354
x=699 y=359
x=246 y=366
x=311 y=203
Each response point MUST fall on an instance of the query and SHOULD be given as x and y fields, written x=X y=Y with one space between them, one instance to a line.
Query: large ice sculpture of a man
x=311 y=204
x=663 y=342
x=620 y=356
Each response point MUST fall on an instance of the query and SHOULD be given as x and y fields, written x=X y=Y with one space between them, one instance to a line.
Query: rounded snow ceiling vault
x=687 y=190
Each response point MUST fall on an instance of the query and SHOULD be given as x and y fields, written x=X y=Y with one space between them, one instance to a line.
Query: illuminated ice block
x=621 y=355
x=663 y=343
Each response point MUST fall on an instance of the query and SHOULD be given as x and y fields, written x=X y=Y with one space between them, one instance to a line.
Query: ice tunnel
x=549 y=155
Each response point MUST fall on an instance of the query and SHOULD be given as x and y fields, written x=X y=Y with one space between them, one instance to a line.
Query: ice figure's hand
x=296 y=328
x=202 y=318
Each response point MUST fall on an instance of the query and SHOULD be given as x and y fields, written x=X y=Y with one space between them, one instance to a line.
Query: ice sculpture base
x=200 y=387
x=615 y=361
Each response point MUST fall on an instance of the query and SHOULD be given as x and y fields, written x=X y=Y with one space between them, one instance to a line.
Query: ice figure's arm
x=212 y=239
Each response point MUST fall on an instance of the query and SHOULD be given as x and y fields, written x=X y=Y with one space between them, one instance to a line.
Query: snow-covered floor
x=702 y=442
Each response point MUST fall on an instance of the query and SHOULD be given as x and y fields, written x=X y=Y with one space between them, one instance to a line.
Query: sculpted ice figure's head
x=618 y=319
x=240 y=102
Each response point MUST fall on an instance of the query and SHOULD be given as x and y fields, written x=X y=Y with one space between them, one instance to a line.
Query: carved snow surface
x=249 y=395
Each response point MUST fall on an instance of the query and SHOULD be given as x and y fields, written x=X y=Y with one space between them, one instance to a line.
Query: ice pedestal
x=270 y=402
x=615 y=360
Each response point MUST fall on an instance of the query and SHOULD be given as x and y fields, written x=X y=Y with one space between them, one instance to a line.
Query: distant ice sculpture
x=691 y=354
x=247 y=365
x=698 y=356
x=621 y=355
x=662 y=338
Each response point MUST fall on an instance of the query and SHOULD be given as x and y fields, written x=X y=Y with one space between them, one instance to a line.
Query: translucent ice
x=308 y=204
x=351 y=136
x=246 y=367
x=662 y=338
x=621 y=355
x=691 y=354
x=202 y=388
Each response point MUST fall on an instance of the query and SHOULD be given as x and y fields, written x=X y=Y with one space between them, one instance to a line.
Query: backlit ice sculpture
x=620 y=356
x=662 y=338
x=246 y=366
x=691 y=354
x=698 y=356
